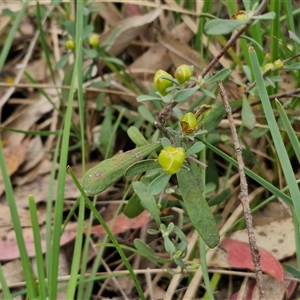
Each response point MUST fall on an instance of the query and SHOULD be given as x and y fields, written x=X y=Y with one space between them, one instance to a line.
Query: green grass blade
x=28 y=273
x=79 y=236
x=49 y=208
x=252 y=175
x=77 y=252
x=206 y=279
x=43 y=40
x=4 y=286
x=279 y=145
x=84 y=259
x=60 y=189
x=11 y=35
x=112 y=134
x=289 y=129
x=111 y=236
x=38 y=248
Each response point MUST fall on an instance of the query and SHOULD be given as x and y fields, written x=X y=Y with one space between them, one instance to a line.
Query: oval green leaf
x=136 y=136
x=219 y=27
x=143 y=98
x=219 y=76
x=197 y=207
x=141 y=167
x=159 y=184
x=133 y=208
x=147 y=200
x=103 y=175
x=196 y=148
x=248 y=117
x=185 y=94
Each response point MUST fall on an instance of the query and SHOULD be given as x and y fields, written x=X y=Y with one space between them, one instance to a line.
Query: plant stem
x=243 y=196
x=234 y=39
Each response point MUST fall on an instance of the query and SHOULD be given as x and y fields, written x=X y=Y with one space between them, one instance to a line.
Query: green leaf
x=113 y=60
x=103 y=175
x=70 y=28
x=146 y=114
x=258 y=132
x=147 y=200
x=141 y=167
x=133 y=208
x=295 y=66
x=219 y=76
x=90 y=53
x=146 y=251
x=223 y=196
x=196 y=148
x=165 y=142
x=136 y=136
x=248 y=117
x=62 y=62
x=294 y=37
x=185 y=94
x=197 y=207
x=168 y=98
x=159 y=184
x=169 y=246
x=267 y=16
x=87 y=31
x=208 y=93
x=143 y=98
x=219 y=27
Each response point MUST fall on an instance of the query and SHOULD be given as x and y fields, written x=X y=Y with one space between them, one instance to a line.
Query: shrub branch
x=243 y=196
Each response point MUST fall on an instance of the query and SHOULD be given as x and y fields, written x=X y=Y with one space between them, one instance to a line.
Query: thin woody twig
x=234 y=38
x=243 y=196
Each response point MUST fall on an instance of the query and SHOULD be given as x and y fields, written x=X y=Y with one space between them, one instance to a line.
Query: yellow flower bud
x=200 y=81
x=160 y=83
x=94 y=41
x=188 y=123
x=183 y=73
x=268 y=67
x=240 y=15
x=70 y=45
x=171 y=159
x=278 y=64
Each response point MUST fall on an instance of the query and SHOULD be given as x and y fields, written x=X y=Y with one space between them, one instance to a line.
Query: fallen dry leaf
x=39 y=189
x=14 y=157
x=273 y=237
x=9 y=248
x=123 y=223
x=5 y=218
x=129 y=29
x=26 y=116
x=239 y=257
x=157 y=57
x=13 y=272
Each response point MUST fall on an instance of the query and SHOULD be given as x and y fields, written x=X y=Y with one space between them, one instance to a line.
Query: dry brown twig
x=244 y=194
